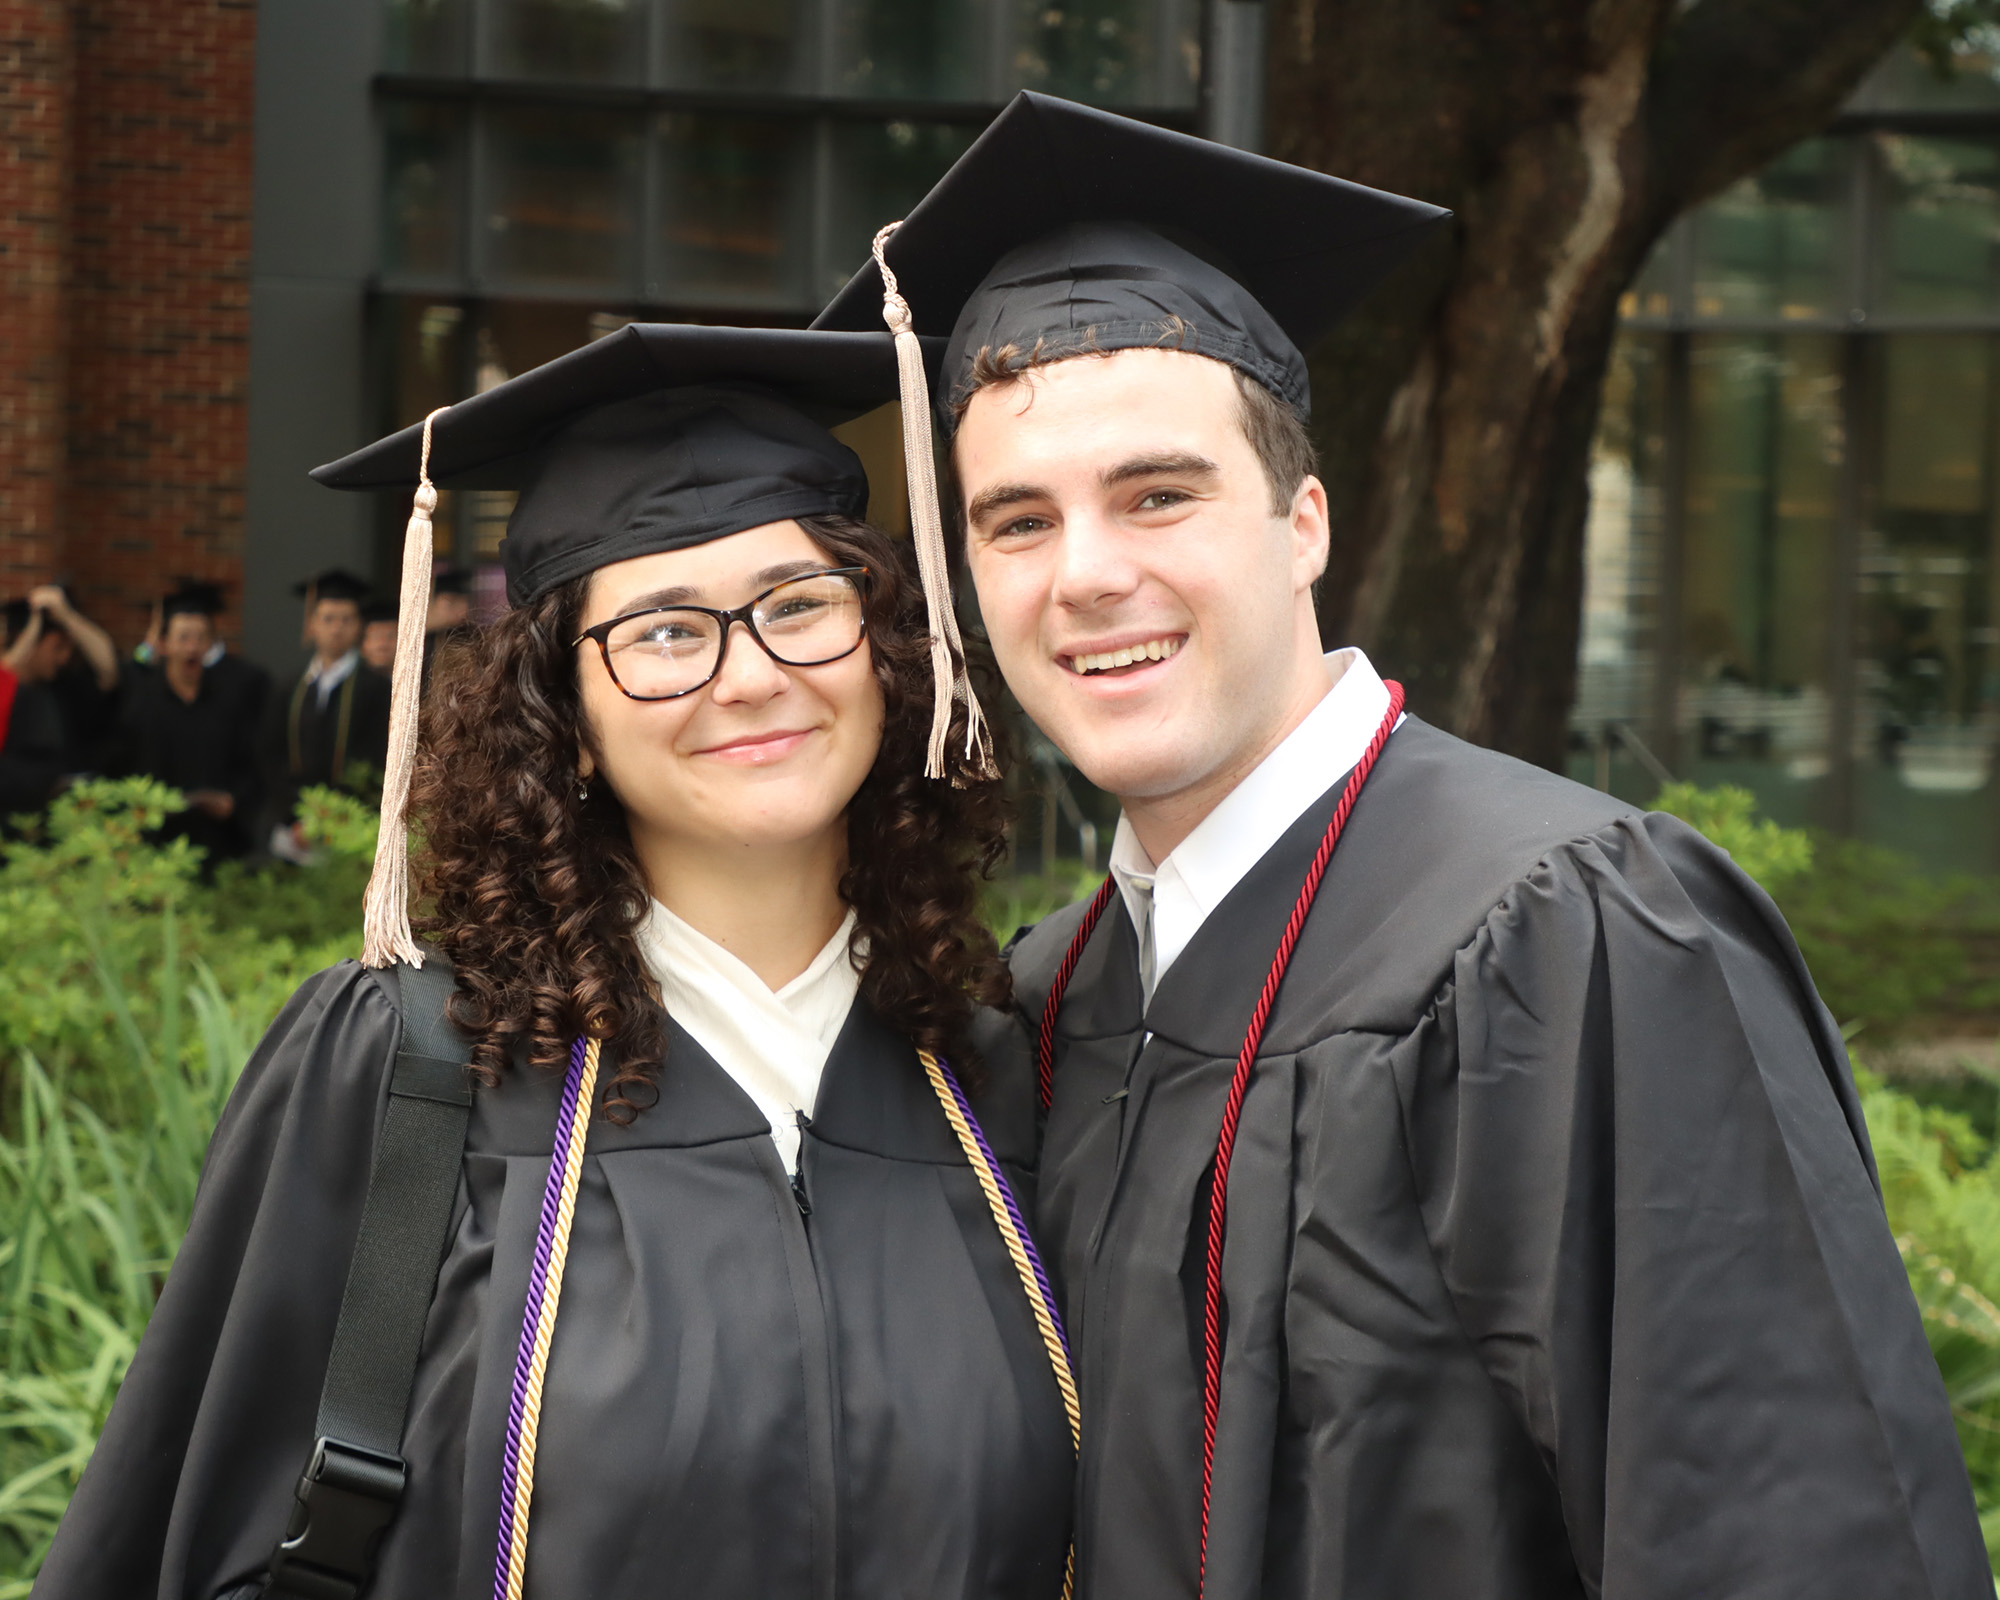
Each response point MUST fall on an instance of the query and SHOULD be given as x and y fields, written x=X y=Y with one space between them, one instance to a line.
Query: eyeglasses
x=670 y=651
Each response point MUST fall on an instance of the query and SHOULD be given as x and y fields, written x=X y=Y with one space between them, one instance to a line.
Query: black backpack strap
x=354 y=1481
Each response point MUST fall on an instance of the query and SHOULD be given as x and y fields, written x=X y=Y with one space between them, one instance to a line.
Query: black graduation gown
x=207 y=743
x=1556 y=1263
x=37 y=753
x=306 y=743
x=741 y=1400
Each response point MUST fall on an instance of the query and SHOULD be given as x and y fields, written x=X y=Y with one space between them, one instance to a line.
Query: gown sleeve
x=191 y=1482
x=1646 y=1179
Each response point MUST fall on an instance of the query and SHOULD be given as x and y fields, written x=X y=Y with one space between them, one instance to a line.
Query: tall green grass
x=93 y=1206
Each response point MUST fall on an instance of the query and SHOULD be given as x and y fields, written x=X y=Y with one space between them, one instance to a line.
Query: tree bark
x=1455 y=411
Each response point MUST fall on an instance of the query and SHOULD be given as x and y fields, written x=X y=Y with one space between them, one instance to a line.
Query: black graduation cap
x=336 y=583
x=193 y=597
x=452 y=580
x=655 y=437
x=1065 y=228
x=379 y=611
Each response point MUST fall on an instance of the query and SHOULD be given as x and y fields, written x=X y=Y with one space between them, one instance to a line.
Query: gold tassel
x=385 y=921
x=949 y=681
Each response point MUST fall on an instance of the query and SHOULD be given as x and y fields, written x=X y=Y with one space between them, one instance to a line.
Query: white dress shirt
x=327 y=678
x=774 y=1043
x=1169 y=900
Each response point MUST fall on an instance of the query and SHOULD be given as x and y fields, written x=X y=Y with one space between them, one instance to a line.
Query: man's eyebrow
x=693 y=595
x=1174 y=464
x=999 y=497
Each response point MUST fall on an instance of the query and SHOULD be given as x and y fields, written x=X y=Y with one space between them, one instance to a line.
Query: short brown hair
x=1273 y=426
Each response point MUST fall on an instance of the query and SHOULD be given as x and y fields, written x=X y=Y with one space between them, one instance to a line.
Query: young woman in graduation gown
x=792 y=1355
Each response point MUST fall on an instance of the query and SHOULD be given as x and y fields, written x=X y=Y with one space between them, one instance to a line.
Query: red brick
x=126 y=152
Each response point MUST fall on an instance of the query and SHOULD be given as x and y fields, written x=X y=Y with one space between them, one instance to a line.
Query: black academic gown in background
x=306 y=743
x=1556 y=1263
x=36 y=754
x=741 y=1400
x=207 y=743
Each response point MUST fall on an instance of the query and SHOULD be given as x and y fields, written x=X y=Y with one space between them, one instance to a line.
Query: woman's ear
x=586 y=768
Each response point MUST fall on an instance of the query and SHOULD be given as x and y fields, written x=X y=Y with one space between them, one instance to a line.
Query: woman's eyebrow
x=694 y=595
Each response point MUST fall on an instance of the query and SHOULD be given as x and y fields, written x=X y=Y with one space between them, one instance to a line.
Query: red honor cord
x=1239 y=1084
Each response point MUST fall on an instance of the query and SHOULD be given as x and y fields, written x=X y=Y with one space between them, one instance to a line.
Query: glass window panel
x=1615 y=653
x=1941 y=220
x=562 y=192
x=1109 y=52
x=1652 y=291
x=426 y=36
x=735 y=215
x=423 y=183
x=734 y=44
x=430 y=341
x=1764 y=454
x=593 y=41
x=427 y=366
x=922 y=49
x=1929 y=702
x=515 y=335
x=1771 y=245
x=1904 y=81
x=881 y=169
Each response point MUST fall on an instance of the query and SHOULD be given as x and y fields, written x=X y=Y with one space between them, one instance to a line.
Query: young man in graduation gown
x=1552 y=1260
x=191 y=719
x=331 y=726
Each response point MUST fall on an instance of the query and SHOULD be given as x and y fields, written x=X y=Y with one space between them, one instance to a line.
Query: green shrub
x=1885 y=942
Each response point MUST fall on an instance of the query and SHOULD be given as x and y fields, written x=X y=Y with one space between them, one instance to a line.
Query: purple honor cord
x=540 y=1308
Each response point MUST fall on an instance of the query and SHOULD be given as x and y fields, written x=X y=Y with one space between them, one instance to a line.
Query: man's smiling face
x=1150 y=611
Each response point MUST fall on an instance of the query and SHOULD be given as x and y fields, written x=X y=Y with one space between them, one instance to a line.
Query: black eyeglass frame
x=600 y=633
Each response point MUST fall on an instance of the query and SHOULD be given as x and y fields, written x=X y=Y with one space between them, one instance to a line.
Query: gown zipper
x=799 y=1171
x=816 y=1363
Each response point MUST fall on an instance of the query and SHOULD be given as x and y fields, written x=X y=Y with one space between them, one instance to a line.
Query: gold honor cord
x=1013 y=1233
x=552 y=1254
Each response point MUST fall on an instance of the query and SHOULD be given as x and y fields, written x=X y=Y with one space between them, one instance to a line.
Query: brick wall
x=140 y=342
x=35 y=76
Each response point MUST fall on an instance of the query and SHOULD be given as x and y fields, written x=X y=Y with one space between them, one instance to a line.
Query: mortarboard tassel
x=385 y=919
x=948 y=675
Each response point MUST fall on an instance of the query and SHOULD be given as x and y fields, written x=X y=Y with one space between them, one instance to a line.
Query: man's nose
x=1094 y=561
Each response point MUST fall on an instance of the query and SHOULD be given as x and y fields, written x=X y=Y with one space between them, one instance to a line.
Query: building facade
x=1792 y=576
x=126 y=150
x=461 y=189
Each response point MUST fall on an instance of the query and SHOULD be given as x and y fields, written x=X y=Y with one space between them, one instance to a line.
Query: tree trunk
x=1455 y=411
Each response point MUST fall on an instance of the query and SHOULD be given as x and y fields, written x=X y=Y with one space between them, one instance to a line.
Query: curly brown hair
x=537 y=896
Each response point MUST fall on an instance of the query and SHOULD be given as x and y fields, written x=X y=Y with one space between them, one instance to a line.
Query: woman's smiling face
x=764 y=754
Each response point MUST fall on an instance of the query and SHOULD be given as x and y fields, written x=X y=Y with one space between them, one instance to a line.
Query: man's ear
x=1311 y=533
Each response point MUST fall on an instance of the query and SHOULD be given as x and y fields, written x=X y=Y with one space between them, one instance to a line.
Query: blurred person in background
x=331 y=726
x=191 y=720
x=378 y=636
x=450 y=615
x=55 y=719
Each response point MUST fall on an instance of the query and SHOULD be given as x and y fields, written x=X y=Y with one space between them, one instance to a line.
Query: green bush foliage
x=1885 y=943
x=132 y=991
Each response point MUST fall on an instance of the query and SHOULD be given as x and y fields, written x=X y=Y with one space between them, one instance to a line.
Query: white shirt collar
x=774 y=1043
x=327 y=679
x=1202 y=869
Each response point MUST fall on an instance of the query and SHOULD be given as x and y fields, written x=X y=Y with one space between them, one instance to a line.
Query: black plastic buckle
x=347 y=1499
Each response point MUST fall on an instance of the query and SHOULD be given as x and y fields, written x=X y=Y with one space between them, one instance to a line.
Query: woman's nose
x=747 y=674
